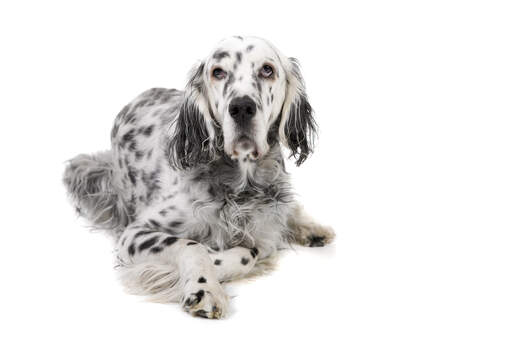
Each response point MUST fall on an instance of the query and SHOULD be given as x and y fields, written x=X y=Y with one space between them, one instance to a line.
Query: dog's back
x=102 y=185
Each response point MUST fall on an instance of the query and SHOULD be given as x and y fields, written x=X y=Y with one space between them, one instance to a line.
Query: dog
x=194 y=189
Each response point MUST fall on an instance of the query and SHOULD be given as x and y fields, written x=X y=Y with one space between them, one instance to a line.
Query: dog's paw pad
x=316 y=241
x=318 y=236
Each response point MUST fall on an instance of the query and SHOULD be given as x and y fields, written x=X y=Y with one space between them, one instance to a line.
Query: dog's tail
x=88 y=179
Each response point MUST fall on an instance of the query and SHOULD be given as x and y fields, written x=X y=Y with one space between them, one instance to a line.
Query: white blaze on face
x=245 y=67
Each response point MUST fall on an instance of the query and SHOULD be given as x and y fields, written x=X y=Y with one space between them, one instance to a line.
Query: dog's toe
x=209 y=301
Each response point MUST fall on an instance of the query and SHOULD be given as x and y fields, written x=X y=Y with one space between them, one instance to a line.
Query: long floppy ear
x=193 y=136
x=297 y=129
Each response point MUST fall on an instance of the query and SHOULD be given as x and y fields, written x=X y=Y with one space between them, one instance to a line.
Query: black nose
x=242 y=109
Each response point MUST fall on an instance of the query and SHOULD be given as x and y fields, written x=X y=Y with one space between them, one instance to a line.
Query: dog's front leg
x=234 y=263
x=307 y=232
x=168 y=269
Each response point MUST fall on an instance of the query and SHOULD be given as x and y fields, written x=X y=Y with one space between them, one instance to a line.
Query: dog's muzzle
x=242 y=110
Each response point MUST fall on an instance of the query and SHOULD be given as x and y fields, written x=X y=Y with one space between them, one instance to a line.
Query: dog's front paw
x=205 y=298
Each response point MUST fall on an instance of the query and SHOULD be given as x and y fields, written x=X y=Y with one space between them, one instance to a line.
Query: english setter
x=194 y=188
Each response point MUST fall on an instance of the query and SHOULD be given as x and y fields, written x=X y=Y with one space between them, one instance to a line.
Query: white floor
x=387 y=279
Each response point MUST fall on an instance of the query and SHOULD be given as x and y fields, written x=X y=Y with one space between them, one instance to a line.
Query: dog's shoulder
x=149 y=111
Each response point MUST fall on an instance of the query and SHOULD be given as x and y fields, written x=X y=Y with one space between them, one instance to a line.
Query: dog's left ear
x=193 y=138
x=297 y=129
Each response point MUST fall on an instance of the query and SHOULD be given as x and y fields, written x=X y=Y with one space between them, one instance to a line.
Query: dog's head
x=242 y=93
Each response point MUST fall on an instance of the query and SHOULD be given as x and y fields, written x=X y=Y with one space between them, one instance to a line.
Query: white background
x=413 y=167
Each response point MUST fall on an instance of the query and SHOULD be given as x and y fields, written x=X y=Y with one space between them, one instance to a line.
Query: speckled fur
x=181 y=227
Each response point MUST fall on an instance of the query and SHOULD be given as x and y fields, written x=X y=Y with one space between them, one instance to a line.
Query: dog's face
x=246 y=87
x=233 y=100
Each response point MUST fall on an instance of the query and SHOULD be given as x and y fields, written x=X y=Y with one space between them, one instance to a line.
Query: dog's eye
x=219 y=73
x=266 y=71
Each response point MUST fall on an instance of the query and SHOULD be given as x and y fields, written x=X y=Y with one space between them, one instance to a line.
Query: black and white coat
x=194 y=188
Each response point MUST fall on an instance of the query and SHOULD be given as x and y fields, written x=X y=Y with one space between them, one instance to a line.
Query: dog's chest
x=240 y=206
x=229 y=211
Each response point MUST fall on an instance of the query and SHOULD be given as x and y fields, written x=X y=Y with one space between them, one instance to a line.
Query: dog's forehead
x=245 y=49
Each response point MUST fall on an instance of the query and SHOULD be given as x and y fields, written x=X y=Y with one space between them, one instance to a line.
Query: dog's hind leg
x=170 y=269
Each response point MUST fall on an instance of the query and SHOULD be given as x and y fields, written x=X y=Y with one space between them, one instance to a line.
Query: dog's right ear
x=191 y=142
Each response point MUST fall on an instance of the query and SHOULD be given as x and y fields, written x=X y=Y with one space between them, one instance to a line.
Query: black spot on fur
x=148 y=243
x=249 y=48
x=217 y=262
x=155 y=249
x=254 y=252
x=200 y=295
x=130 y=118
x=127 y=137
x=201 y=280
x=154 y=223
x=151 y=181
x=148 y=130
x=139 y=154
x=142 y=233
x=219 y=55
x=131 y=249
x=169 y=241
x=132 y=174
x=175 y=224
x=239 y=57
x=191 y=243
x=244 y=261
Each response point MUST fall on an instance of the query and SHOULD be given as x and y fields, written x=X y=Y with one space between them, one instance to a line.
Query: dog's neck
x=236 y=176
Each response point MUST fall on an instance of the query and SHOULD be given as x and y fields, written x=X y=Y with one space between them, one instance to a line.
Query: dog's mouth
x=245 y=147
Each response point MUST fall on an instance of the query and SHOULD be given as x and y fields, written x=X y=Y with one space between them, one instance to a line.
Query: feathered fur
x=193 y=196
